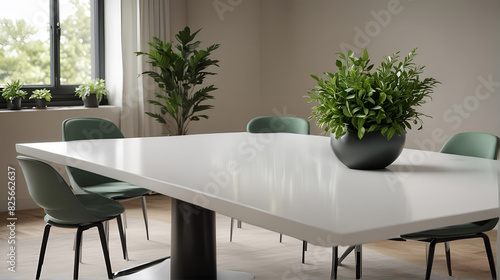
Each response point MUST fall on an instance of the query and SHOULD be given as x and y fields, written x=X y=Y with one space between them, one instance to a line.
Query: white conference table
x=288 y=183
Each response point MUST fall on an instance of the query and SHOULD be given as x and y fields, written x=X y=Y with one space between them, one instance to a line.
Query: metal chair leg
x=304 y=249
x=448 y=256
x=430 y=259
x=239 y=224
x=231 y=230
x=346 y=253
x=74 y=248
x=491 y=261
x=359 y=261
x=105 y=250
x=281 y=238
x=145 y=214
x=123 y=238
x=77 y=251
x=106 y=231
x=335 y=262
x=124 y=219
x=45 y=240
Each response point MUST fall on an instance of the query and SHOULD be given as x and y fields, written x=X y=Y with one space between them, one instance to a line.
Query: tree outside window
x=31 y=32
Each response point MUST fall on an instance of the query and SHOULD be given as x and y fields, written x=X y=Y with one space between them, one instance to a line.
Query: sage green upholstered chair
x=474 y=144
x=65 y=209
x=88 y=182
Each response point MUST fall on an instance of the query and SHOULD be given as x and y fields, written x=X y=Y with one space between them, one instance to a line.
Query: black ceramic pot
x=91 y=101
x=14 y=104
x=40 y=103
x=373 y=151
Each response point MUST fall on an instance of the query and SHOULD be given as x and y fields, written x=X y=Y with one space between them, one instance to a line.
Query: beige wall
x=269 y=47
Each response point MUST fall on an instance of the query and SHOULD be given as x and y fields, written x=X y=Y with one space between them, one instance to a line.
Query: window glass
x=25 y=42
x=75 y=42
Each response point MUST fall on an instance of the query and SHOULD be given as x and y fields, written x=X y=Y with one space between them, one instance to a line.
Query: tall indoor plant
x=356 y=104
x=180 y=70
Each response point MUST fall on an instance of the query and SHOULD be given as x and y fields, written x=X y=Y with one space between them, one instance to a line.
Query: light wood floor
x=468 y=256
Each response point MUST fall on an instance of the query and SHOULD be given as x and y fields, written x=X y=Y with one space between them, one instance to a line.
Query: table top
x=294 y=184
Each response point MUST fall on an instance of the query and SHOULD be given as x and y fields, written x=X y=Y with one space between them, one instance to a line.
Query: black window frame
x=64 y=95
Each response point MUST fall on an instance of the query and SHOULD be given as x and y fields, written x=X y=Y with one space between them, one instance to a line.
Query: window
x=53 y=44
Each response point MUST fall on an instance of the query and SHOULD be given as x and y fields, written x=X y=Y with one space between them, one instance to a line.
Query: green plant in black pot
x=356 y=103
x=41 y=96
x=92 y=92
x=180 y=70
x=13 y=94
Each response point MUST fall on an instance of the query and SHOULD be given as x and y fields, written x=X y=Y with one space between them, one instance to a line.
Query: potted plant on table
x=92 y=92
x=180 y=70
x=41 y=96
x=367 y=112
x=13 y=94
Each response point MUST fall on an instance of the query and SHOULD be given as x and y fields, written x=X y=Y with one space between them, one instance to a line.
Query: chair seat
x=117 y=190
x=454 y=231
x=100 y=207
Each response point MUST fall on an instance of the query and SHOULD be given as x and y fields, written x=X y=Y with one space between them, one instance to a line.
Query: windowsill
x=54 y=109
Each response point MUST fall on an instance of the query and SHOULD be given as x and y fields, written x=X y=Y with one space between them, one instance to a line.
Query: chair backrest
x=275 y=124
x=84 y=129
x=49 y=190
x=89 y=128
x=474 y=144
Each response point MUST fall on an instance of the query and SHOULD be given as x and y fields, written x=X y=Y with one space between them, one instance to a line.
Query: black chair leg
x=359 y=260
x=77 y=251
x=346 y=253
x=304 y=249
x=430 y=259
x=281 y=238
x=335 y=262
x=45 y=239
x=122 y=237
x=487 y=246
x=145 y=215
x=231 y=230
x=448 y=256
x=104 y=246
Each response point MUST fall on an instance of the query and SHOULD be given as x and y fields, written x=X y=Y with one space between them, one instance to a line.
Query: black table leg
x=193 y=251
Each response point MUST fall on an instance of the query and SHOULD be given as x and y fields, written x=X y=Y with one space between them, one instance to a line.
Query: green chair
x=474 y=144
x=274 y=124
x=88 y=182
x=65 y=209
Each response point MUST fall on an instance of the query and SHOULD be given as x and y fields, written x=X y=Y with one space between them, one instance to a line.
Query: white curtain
x=140 y=21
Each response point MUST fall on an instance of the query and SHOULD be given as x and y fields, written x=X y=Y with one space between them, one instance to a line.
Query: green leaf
x=390 y=133
x=365 y=55
x=361 y=132
x=346 y=112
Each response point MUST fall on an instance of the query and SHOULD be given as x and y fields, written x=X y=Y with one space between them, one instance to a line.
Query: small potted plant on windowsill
x=13 y=94
x=41 y=96
x=92 y=92
x=367 y=113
